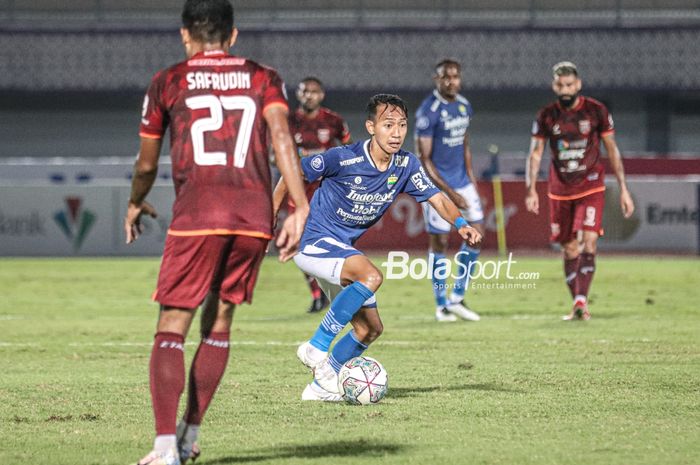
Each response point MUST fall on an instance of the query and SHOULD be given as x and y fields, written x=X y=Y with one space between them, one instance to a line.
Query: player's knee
x=373 y=279
x=374 y=330
x=571 y=249
x=590 y=246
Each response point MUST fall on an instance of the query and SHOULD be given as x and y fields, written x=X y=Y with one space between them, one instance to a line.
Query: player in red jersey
x=575 y=125
x=315 y=130
x=220 y=109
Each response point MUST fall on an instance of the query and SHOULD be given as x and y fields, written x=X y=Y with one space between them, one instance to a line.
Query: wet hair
x=312 y=79
x=444 y=63
x=564 y=68
x=208 y=21
x=387 y=99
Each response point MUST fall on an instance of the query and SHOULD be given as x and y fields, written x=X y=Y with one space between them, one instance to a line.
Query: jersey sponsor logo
x=371 y=198
x=218 y=81
x=423 y=122
x=317 y=163
x=324 y=135
x=358 y=180
x=419 y=181
x=461 y=122
x=556 y=130
x=584 y=126
x=401 y=161
x=351 y=161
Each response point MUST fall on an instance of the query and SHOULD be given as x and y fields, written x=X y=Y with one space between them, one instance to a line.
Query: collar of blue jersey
x=365 y=148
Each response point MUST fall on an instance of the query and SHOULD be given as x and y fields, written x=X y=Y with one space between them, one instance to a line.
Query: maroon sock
x=571 y=274
x=586 y=269
x=207 y=370
x=167 y=377
x=313 y=285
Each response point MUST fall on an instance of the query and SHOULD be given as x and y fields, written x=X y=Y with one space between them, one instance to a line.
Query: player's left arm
x=145 y=171
x=449 y=212
x=468 y=161
x=626 y=202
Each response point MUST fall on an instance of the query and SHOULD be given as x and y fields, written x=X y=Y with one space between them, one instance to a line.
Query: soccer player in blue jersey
x=359 y=183
x=442 y=142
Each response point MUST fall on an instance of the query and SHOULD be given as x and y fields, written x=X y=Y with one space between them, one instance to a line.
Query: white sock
x=191 y=434
x=165 y=442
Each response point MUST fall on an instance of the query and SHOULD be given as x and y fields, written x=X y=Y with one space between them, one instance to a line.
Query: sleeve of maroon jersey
x=605 y=124
x=274 y=92
x=324 y=164
x=539 y=126
x=154 y=116
x=343 y=131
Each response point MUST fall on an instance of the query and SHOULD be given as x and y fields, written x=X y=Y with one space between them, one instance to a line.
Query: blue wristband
x=459 y=222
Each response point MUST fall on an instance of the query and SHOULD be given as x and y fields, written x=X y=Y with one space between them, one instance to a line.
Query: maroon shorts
x=194 y=265
x=568 y=217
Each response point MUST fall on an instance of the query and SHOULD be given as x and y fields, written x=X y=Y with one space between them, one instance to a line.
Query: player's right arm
x=145 y=171
x=534 y=159
x=424 y=146
x=288 y=164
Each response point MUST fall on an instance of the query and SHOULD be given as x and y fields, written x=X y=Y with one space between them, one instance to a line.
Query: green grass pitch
x=519 y=387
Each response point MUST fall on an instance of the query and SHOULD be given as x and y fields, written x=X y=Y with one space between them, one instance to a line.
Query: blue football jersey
x=354 y=194
x=446 y=123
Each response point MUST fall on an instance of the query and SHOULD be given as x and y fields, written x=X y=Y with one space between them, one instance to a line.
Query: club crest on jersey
x=391 y=181
x=317 y=163
x=584 y=126
x=556 y=130
x=462 y=109
x=324 y=135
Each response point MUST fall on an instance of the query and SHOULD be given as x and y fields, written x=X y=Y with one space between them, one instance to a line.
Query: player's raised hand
x=132 y=220
x=290 y=234
x=471 y=235
x=532 y=202
x=626 y=203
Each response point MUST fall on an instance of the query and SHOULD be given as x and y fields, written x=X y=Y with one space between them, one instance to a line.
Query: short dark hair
x=312 y=79
x=387 y=99
x=208 y=21
x=445 y=62
x=564 y=68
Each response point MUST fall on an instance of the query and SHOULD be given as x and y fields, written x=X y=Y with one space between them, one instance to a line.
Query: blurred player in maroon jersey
x=575 y=126
x=219 y=108
x=315 y=129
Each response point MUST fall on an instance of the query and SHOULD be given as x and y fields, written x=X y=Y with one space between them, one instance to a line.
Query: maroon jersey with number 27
x=214 y=104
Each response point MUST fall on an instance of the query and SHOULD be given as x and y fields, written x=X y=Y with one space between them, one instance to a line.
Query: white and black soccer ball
x=363 y=381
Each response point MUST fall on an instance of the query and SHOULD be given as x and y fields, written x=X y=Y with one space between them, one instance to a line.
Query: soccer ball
x=363 y=381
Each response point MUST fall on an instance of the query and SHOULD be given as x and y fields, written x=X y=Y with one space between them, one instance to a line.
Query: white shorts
x=434 y=224
x=324 y=260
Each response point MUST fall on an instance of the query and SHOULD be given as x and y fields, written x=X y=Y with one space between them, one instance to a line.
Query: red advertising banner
x=402 y=227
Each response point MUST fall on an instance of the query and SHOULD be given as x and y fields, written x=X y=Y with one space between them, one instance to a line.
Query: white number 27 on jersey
x=214 y=122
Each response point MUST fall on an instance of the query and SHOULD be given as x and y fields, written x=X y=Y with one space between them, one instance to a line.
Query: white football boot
x=443 y=315
x=313 y=391
x=326 y=377
x=310 y=356
x=461 y=310
x=168 y=457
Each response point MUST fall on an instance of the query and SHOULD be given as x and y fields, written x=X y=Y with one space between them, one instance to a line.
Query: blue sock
x=343 y=307
x=466 y=256
x=439 y=279
x=347 y=348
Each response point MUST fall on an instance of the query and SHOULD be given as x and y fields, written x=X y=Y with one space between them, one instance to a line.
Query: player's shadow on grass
x=399 y=392
x=357 y=448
